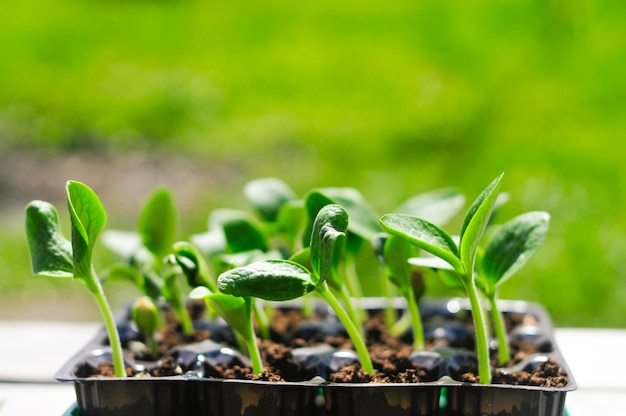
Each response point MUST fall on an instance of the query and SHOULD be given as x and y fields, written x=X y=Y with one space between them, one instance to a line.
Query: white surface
x=20 y=399
x=22 y=342
x=588 y=352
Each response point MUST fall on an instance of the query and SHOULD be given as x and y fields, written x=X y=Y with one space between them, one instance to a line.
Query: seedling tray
x=191 y=393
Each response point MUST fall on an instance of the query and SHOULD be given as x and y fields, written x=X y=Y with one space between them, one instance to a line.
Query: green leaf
x=330 y=224
x=267 y=196
x=244 y=235
x=88 y=218
x=276 y=280
x=313 y=203
x=510 y=247
x=303 y=258
x=157 y=222
x=474 y=225
x=397 y=251
x=438 y=206
x=424 y=235
x=233 y=309
x=291 y=220
x=50 y=251
x=363 y=219
x=193 y=265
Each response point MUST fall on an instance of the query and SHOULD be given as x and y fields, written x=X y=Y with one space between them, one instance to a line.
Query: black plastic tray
x=191 y=394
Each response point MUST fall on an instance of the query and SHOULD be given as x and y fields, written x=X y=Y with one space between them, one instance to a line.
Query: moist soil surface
x=391 y=356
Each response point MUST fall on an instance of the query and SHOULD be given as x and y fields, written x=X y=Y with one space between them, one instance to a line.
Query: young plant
x=53 y=255
x=506 y=251
x=438 y=207
x=461 y=257
x=280 y=280
x=397 y=251
x=237 y=312
x=145 y=315
x=147 y=256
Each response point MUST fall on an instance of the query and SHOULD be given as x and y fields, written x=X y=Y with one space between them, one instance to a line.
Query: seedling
x=145 y=315
x=147 y=254
x=506 y=251
x=461 y=257
x=438 y=207
x=53 y=255
x=397 y=251
x=237 y=312
x=280 y=280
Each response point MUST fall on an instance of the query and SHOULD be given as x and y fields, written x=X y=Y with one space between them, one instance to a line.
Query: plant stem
x=353 y=332
x=482 y=347
x=500 y=328
x=176 y=300
x=262 y=321
x=183 y=315
x=401 y=325
x=250 y=339
x=349 y=308
x=354 y=289
x=153 y=345
x=416 y=319
x=94 y=286
x=390 y=312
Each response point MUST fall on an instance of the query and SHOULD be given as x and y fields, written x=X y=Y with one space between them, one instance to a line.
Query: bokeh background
x=393 y=98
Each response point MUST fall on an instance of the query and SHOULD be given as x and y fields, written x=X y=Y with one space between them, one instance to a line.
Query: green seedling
x=279 y=280
x=53 y=255
x=437 y=207
x=147 y=256
x=397 y=251
x=237 y=312
x=145 y=315
x=461 y=257
x=506 y=251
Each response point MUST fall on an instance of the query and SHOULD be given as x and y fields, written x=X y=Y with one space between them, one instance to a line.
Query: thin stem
x=353 y=332
x=482 y=347
x=500 y=328
x=390 y=312
x=401 y=325
x=153 y=345
x=349 y=308
x=262 y=321
x=95 y=288
x=416 y=319
x=353 y=288
x=185 y=319
x=176 y=299
x=250 y=339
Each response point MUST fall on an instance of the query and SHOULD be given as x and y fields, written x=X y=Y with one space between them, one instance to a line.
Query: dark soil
x=391 y=355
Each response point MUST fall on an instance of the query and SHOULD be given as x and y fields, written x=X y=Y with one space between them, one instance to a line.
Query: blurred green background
x=394 y=98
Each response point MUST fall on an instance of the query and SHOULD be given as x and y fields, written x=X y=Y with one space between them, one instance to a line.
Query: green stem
x=94 y=286
x=354 y=289
x=349 y=307
x=250 y=339
x=500 y=328
x=482 y=346
x=153 y=345
x=401 y=325
x=416 y=319
x=185 y=320
x=176 y=300
x=390 y=312
x=262 y=321
x=352 y=278
x=353 y=332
